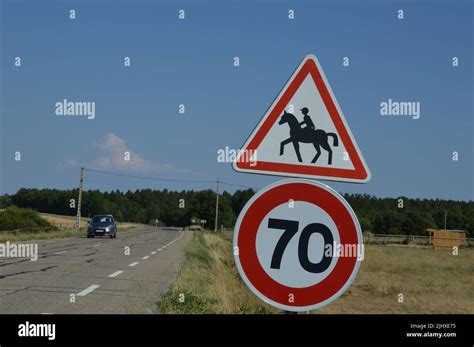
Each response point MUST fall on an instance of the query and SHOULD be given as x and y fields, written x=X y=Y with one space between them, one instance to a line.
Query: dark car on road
x=102 y=225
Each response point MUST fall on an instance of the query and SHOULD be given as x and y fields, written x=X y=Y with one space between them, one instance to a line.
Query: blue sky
x=191 y=62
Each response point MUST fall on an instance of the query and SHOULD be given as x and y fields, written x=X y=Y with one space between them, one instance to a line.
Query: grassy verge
x=17 y=236
x=208 y=281
x=431 y=281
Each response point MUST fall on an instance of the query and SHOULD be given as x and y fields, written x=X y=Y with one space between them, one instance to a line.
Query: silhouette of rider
x=307 y=120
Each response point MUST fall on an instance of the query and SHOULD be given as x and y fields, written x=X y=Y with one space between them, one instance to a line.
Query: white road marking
x=115 y=274
x=170 y=243
x=146 y=257
x=88 y=290
x=153 y=252
x=61 y=252
x=176 y=239
x=46 y=313
x=133 y=264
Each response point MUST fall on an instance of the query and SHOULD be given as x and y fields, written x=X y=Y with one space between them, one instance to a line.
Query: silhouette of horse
x=318 y=137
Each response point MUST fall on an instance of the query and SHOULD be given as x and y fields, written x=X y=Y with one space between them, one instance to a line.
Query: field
x=65 y=228
x=69 y=221
x=431 y=281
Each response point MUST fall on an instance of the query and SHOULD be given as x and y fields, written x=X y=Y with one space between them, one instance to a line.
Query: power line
x=155 y=179
x=166 y=179
x=148 y=178
x=238 y=185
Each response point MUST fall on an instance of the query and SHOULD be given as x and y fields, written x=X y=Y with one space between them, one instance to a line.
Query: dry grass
x=39 y=235
x=62 y=221
x=210 y=282
x=431 y=281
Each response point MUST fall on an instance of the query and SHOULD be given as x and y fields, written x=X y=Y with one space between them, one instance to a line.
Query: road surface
x=97 y=271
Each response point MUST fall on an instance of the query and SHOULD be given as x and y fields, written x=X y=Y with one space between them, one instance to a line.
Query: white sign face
x=299 y=244
x=304 y=133
x=290 y=272
x=306 y=96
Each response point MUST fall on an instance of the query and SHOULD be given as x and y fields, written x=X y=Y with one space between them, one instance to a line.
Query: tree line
x=401 y=215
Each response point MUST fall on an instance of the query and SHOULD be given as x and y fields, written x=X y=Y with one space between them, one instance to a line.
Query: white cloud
x=113 y=150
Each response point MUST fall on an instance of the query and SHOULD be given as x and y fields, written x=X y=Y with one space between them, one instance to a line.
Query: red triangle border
x=358 y=173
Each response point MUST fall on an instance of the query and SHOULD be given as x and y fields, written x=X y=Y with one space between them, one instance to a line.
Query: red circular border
x=246 y=242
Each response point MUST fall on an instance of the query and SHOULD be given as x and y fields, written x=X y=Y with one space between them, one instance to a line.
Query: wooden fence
x=383 y=239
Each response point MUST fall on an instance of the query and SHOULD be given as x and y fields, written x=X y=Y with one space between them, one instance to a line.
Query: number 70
x=291 y=228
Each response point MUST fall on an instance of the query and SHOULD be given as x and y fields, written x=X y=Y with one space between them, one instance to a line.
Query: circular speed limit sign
x=297 y=244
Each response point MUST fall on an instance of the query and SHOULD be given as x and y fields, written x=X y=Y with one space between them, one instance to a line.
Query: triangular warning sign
x=304 y=133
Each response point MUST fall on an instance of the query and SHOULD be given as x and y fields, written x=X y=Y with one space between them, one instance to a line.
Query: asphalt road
x=97 y=271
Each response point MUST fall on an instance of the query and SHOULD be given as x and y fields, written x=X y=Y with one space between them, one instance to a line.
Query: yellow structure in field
x=446 y=238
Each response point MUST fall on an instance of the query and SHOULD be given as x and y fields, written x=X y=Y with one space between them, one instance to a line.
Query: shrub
x=14 y=218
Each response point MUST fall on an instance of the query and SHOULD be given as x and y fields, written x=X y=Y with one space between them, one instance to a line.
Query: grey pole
x=445 y=218
x=217 y=205
x=79 y=200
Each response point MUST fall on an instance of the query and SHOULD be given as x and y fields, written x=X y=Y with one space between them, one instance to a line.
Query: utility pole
x=79 y=200
x=445 y=218
x=217 y=206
